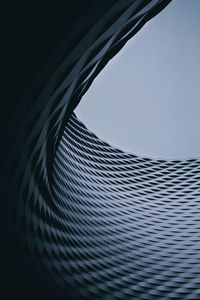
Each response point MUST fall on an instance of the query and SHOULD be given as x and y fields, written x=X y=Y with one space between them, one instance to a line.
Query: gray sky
x=147 y=99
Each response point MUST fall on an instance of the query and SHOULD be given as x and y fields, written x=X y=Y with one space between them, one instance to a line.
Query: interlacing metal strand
x=99 y=223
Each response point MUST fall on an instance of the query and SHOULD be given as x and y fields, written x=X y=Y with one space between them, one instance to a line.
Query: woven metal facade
x=88 y=220
x=132 y=223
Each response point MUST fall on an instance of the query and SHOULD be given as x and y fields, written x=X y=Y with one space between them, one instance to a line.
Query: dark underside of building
x=81 y=219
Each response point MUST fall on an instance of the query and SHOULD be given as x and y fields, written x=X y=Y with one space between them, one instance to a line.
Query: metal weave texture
x=130 y=225
x=92 y=221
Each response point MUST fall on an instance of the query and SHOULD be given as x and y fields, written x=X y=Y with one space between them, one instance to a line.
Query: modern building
x=85 y=220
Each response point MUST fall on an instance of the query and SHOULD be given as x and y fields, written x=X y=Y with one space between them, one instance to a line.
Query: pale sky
x=147 y=99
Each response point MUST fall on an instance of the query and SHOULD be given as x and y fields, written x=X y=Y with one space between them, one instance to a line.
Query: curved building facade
x=84 y=219
x=132 y=222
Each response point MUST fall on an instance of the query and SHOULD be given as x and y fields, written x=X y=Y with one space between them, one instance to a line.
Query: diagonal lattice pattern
x=131 y=224
x=95 y=222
